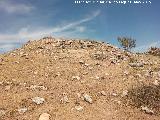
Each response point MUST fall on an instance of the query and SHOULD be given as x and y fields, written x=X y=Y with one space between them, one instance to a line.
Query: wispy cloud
x=73 y=24
x=11 y=41
x=10 y=7
x=81 y=29
x=26 y=33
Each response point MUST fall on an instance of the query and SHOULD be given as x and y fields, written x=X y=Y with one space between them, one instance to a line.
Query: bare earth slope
x=78 y=80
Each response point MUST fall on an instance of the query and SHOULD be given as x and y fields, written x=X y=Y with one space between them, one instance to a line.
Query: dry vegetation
x=154 y=51
x=148 y=96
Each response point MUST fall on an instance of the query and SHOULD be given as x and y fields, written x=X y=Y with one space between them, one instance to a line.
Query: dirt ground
x=78 y=80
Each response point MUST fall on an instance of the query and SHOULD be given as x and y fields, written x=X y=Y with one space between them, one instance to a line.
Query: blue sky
x=23 y=20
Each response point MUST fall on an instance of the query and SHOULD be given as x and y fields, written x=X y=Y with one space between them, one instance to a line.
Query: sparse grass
x=132 y=60
x=148 y=96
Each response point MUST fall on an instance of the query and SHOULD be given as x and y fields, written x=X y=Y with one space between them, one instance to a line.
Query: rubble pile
x=75 y=79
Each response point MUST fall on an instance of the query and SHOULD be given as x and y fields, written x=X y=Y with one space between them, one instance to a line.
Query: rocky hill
x=59 y=79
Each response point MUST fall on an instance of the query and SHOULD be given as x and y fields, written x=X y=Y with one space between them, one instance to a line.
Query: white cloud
x=73 y=24
x=10 y=7
x=25 y=33
x=8 y=41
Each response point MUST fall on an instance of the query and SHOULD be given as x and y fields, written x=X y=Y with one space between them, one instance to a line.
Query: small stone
x=156 y=82
x=147 y=110
x=35 y=72
x=138 y=75
x=78 y=95
x=38 y=100
x=81 y=62
x=147 y=74
x=136 y=64
x=126 y=72
x=124 y=93
x=2 y=112
x=22 y=110
x=8 y=87
x=106 y=74
x=64 y=99
x=88 y=98
x=114 y=94
x=1 y=83
x=86 y=64
x=158 y=74
x=45 y=116
x=97 y=77
x=103 y=93
x=119 y=102
x=58 y=74
x=75 y=78
x=79 y=108
x=1 y=60
x=22 y=84
x=38 y=87
x=17 y=62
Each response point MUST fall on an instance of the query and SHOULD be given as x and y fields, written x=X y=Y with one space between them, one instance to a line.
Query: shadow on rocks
x=147 y=98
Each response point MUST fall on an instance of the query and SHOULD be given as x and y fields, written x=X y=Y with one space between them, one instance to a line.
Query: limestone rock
x=8 y=87
x=156 y=82
x=2 y=112
x=22 y=110
x=136 y=64
x=88 y=98
x=114 y=94
x=79 y=108
x=147 y=110
x=64 y=99
x=124 y=93
x=38 y=100
x=44 y=116
x=103 y=93
x=75 y=78
x=38 y=87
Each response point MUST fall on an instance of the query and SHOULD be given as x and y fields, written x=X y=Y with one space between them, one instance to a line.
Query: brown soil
x=52 y=68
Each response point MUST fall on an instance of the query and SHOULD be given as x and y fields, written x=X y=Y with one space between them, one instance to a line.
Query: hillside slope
x=78 y=80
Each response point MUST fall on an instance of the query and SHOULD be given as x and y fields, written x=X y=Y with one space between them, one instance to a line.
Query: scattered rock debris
x=95 y=72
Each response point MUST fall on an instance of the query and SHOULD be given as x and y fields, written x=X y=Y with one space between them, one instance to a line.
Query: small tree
x=127 y=43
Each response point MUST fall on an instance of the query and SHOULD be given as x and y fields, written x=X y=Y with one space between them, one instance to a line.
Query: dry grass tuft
x=148 y=96
x=154 y=51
